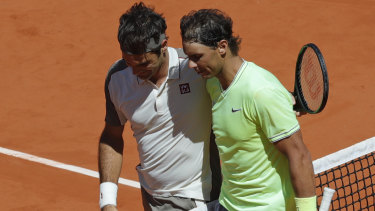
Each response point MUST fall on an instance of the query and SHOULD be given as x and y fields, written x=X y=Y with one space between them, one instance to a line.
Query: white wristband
x=108 y=194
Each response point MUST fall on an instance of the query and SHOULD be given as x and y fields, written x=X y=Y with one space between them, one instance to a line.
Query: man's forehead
x=194 y=48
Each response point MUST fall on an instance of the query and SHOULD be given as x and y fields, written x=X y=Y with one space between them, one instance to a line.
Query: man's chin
x=207 y=76
x=144 y=77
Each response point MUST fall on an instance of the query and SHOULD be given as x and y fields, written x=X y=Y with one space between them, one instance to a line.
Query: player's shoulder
x=116 y=67
x=183 y=62
x=258 y=77
x=181 y=54
x=118 y=74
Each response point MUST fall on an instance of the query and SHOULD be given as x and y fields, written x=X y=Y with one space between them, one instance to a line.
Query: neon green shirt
x=254 y=111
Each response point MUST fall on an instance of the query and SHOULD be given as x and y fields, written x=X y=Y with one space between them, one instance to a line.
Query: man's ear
x=222 y=47
x=164 y=45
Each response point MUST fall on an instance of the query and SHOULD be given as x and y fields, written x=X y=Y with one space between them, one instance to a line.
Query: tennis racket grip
x=326 y=200
x=297 y=106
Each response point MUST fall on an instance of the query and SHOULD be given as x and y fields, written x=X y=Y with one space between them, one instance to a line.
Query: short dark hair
x=208 y=27
x=138 y=26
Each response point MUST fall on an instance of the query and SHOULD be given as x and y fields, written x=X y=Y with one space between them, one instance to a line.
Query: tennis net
x=351 y=173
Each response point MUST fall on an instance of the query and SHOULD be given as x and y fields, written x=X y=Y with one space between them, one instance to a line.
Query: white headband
x=152 y=45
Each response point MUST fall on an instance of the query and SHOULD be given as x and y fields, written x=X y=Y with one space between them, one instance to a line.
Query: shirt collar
x=174 y=64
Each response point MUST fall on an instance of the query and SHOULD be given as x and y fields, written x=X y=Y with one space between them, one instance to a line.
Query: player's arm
x=111 y=146
x=301 y=170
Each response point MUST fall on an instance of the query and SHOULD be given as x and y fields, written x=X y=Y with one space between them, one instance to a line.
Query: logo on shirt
x=184 y=88
x=235 y=110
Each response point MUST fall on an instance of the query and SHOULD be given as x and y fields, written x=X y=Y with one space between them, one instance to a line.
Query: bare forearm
x=302 y=175
x=300 y=164
x=110 y=162
x=111 y=146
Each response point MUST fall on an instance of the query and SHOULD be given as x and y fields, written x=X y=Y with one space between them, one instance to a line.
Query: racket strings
x=311 y=80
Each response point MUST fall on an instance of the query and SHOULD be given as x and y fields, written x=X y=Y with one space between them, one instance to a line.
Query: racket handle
x=297 y=106
x=327 y=197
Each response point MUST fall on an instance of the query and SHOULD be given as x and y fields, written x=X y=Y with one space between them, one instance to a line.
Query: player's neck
x=230 y=68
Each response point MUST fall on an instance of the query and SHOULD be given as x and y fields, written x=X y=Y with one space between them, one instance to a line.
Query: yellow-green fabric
x=306 y=204
x=251 y=114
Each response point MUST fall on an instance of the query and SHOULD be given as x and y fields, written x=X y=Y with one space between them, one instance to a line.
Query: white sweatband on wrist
x=108 y=194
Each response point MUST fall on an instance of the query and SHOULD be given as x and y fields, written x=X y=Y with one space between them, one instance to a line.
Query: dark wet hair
x=208 y=27
x=138 y=26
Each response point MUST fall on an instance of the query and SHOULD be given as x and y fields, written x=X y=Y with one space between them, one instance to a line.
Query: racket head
x=311 y=80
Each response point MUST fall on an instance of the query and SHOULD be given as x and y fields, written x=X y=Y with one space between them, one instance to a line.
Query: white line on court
x=68 y=167
x=331 y=160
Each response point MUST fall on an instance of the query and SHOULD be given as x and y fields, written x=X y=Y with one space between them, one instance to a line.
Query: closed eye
x=143 y=64
x=195 y=58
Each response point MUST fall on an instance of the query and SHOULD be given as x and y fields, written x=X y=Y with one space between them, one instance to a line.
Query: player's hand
x=110 y=208
x=298 y=113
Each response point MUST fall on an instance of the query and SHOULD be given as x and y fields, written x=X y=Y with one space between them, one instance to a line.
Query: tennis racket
x=311 y=80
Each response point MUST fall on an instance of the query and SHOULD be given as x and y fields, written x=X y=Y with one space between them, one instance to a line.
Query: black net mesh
x=353 y=182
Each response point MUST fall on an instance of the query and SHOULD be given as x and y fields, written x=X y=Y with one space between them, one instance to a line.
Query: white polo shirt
x=171 y=125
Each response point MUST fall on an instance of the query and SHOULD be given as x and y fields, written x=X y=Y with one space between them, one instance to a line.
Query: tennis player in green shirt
x=265 y=164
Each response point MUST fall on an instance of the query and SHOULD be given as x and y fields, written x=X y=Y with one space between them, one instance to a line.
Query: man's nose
x=192 y=64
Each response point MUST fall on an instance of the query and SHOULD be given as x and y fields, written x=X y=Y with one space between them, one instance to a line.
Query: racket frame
x=301 y=104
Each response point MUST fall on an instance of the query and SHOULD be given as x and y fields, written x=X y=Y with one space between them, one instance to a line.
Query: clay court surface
x=55 y=55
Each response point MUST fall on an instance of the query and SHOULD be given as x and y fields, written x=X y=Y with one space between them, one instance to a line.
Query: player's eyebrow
x=195 y=57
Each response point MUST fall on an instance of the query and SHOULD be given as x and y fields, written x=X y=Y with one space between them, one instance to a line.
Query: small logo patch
x=184 y=88
x=235 y=110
